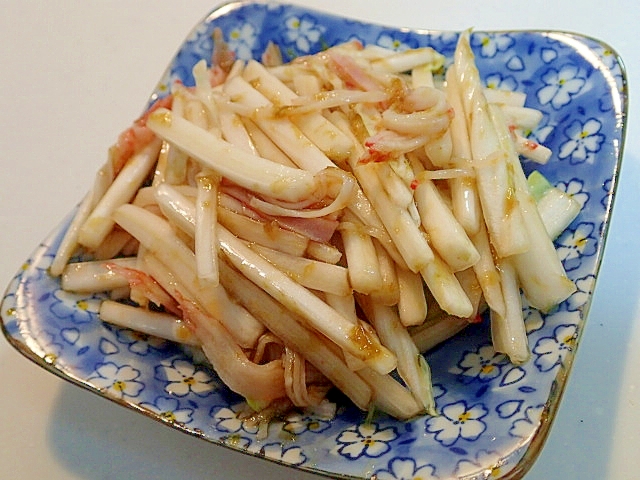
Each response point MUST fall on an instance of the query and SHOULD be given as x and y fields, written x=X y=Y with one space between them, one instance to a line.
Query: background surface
x=73 y=74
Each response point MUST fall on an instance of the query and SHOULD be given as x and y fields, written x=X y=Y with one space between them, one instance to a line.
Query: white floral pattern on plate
x=490 y=411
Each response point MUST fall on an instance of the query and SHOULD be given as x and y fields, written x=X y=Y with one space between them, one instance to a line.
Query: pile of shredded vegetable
x=323 y=223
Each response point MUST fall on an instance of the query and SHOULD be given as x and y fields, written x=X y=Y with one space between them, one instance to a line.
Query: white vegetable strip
x=161 y=241
x=487 y=273
x=412 y=304
x=335 y=144
x=447 y=236
x=124 y=187
x=464 y=194
x=312 y=274
x=445 y=288
x=250 y=171
x=94 y=276
x=391 y=396
x=508 y=332
x=540 y=271
x=557 y=208
x=361 y=257
x=281 y=130
x=352 y=339
x=494 y=180
x=405 y=61
x=162 y=325
x=413 y=370
x=433 y=333
x=283 y=323
x=389 y=292
x=206 y=242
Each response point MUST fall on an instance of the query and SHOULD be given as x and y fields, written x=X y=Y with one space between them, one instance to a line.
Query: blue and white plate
x=493 y=416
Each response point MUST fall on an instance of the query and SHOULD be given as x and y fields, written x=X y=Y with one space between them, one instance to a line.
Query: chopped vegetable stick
x=312 y=274
x=412 y=368
x=161 y=325
x=323 y=252
x=99 y=223
x=471 y=286
x=206 y=243
x=505 y=97
x=281 y=130
x=346 y=305
x=508 y=332
x=412 y=304
x=446 y=234
x=264 y=145
x=406 y=235
x=433 y=333
x=283 y=323
x=557 y=208
x=94 y=276
x=389 y=291
x=493 y=176
x=391 y=396
x=335 y=144
x=487 y=273
x=159 y=238
x=177 y=207
x=530 y=149
x=112 y=244
x=360 y=254
x=393 y=184
x=253 y=172
x=445 y=288
x=521 y=118
x=350 y=338
x=268 y=234
x=407 y=60
x=464 y=194
x=540 y=271
x=69 y=242
x=234 y=131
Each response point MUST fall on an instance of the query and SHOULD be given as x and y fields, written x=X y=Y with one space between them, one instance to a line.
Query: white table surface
x=73 y=74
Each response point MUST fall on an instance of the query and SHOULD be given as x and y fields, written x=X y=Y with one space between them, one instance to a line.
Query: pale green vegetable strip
x=319 y=315
x=412 y=304
x=283 y=323
x=540 y=271
x=508 y=332
x=124 y=187
x=413 y=371
x=493 y=175
x=250 y=171
x=446 y=234
x=161 y=325
x=557 y=208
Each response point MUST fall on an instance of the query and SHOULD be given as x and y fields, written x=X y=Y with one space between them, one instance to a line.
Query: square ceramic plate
x=493 y=416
